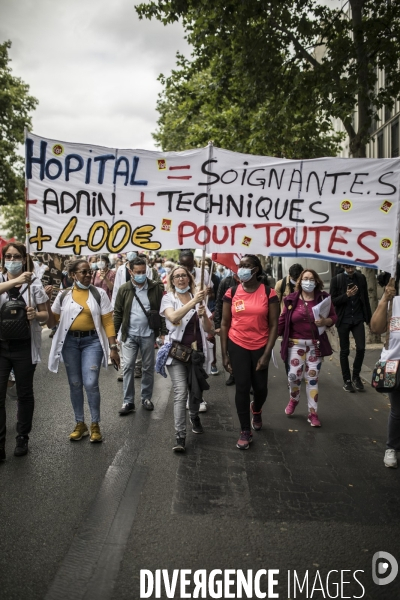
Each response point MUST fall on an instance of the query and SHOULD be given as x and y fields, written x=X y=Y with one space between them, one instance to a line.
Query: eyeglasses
x=310 y=280
x=84 y=272
x=182 y=276
x=12 y=256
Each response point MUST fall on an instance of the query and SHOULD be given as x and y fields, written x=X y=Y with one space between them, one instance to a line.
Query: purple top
x=300 y=324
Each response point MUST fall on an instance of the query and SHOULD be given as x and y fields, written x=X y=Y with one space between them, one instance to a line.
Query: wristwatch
x=113 y=346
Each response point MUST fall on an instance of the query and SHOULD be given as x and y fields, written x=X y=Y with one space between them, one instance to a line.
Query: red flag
x=228 y=260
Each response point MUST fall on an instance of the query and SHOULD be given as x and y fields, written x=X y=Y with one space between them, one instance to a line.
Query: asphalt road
x=80 y=520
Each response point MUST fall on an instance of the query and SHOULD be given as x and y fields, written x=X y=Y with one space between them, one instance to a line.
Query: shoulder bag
x=181 y=352
x=153 y=316
x=386 y=373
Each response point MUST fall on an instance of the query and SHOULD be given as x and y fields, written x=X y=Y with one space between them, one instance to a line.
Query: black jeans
x=358 y=332
x=16 y=354
x=393 y=440
x=244 y=363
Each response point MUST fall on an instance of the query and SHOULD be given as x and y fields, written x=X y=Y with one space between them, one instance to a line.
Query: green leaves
x=298 y=62
x=15 y=108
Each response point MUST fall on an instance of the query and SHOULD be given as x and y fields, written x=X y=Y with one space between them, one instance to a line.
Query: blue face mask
x=13 y=266
x=140 y=278
x=244 y=274
x=94 y=266
x=131 y=255
x=182 y=291
x=81 y=286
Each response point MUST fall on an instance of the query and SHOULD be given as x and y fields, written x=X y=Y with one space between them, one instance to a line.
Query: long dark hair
x=22 y=250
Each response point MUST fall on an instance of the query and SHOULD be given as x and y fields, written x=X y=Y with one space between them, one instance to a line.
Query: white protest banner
x=86 y=199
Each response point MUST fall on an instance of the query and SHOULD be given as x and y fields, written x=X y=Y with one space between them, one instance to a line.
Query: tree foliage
x=296 y=56
x=192 y=112
x=14 y=219
x=15 y=107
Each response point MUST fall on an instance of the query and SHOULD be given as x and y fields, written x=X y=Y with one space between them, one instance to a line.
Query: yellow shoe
x=95 y=435
x=79 y=432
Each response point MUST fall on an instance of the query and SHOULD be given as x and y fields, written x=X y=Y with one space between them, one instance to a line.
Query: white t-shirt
x=393 y=352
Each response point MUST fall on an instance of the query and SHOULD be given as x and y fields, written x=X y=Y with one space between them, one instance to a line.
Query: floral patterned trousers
x=304 y=362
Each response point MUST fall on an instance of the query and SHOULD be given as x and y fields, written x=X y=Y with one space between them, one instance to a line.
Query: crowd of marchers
x=147 y=315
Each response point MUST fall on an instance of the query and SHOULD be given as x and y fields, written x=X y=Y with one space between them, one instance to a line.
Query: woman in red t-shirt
x=249 y=329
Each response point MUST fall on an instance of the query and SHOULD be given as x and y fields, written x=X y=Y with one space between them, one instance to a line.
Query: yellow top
x=84 y=321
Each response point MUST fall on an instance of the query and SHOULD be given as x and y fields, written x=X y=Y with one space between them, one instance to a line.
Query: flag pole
x=27 y=223
x=210 y=155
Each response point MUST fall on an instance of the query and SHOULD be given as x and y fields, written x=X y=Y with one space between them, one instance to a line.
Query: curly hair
x=319 y=284
x=74 y=264
x=170 y=279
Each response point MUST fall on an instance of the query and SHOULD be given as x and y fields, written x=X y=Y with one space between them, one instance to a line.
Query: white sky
x=93 y=66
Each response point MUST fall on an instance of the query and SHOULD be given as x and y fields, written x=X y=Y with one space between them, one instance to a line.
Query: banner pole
x=210 y=155
x=27 y=223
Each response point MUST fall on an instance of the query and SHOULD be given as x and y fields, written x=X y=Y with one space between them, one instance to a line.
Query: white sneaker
x=203 y=406
x=390 y=459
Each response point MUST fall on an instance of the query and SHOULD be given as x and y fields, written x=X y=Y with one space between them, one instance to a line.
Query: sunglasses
x=84 y=272
x=12 y=256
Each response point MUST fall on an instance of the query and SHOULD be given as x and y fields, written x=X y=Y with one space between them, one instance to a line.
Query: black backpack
x=14 y=324
x=92 y=288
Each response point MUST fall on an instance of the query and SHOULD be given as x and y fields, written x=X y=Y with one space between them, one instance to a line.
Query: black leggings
x=16 y=354
x=244 y=363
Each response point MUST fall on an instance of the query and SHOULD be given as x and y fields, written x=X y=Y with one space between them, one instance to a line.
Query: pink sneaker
x=246 y=437
x=289 y=410
x=313 y=420
x=256 y=421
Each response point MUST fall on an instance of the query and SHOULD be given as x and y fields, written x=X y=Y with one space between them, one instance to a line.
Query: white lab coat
x=68 y=312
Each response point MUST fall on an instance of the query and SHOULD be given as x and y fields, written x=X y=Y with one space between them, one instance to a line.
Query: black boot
x=21 y=447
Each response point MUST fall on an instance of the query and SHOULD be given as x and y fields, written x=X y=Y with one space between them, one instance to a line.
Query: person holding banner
x=249 y=329
x=380 y=320
x=189 y=328
x=23 y=353
x=82 y=341
x=302 y=346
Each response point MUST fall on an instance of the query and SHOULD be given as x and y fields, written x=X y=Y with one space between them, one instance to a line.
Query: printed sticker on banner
x=246 y=241
x=386 y=243
x=239 y=305
x=346 y=205
x=166 y=225
x=386 y=206
x=162 y=164
x=394 y=324
x=58 y=149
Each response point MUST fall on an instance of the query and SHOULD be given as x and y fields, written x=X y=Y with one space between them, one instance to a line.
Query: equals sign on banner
x=179 y=176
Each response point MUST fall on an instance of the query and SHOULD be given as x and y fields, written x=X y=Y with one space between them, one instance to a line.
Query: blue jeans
x=82 y=358
x=179 y=377
x=130 y=349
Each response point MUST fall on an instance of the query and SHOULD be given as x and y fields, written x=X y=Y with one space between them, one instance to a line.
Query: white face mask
x=308 y=286
x=101 y=264
x=292 y=281
x=168 y=269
